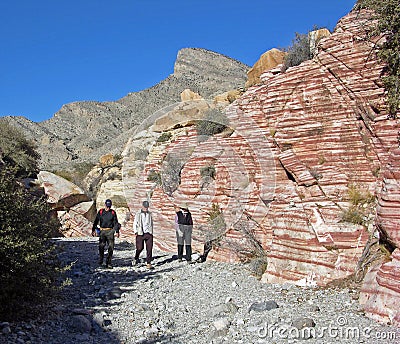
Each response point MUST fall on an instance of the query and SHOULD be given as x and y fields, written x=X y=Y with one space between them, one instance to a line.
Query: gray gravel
x=177 y=302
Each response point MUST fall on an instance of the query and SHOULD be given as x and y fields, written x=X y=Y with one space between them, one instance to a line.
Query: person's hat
x=184 y=206
x=145 y=204
x=108 y=203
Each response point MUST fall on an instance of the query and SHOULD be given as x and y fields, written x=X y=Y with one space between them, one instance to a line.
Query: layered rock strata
x=304 y=174
x=297 y=172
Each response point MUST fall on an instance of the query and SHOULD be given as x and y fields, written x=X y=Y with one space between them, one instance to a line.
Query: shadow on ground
x=96 y=284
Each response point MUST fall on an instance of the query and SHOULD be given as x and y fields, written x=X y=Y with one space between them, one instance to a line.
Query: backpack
x=102 y=209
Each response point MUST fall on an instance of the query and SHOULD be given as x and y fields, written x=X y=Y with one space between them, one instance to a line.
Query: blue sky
x=54 y=52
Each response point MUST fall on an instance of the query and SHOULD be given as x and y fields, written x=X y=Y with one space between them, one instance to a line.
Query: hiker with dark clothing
x=184 y=230
x=107 y=219
x=143 y=229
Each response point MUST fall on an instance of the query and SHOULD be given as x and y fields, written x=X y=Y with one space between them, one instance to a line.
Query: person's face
x=145 y=209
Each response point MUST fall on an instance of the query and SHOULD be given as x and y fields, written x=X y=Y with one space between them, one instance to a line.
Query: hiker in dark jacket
x=108 y=221
x=184 y=230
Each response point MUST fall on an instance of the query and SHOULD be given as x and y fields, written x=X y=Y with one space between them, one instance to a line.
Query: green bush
x=77 y=172
x=214 y=122
x=354 y=215
x=28 y=266
x=171 y=173
x=216 y=225
x=154 y=176
x=164 y=137
x=359 y=195
x=386 y=21
x=208 y=171
x=362 y=203
x=298 y=52
x=17 y=151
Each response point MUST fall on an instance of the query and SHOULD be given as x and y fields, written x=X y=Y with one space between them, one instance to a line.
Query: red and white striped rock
x=380 y=292
x=300 y=141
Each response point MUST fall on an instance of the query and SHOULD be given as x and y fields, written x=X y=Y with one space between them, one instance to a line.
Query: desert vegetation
x=28 y=266
x=76 y=173
x=385 y=22
x=214 y=122
x=299 y=51
x=361 y=202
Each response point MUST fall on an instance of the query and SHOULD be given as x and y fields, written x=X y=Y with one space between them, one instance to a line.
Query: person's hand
x=93 y=233
x=117 y=235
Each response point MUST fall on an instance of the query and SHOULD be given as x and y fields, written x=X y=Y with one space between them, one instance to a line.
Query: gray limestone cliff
x=85 y=130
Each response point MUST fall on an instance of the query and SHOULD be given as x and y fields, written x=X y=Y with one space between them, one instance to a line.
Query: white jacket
x=143 y=223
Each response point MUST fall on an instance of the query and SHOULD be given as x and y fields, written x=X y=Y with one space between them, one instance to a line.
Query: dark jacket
x=184 y=218
x=106 y=219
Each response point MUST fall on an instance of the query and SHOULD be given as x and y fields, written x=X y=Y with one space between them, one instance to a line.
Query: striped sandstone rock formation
x=304 y=149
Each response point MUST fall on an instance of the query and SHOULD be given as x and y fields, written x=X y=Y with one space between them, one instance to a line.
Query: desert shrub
x=361 y=203
x=299 y=51
x=117 y=157
x=258 y=265
x=214 y=122
x=215 y=229
x=208 y=171
x=249 y=249
x=215 y=216
x=358 y=196
x=171 y=173
x=386 y=21
x=154 y=177
x=164 y=137
x=17 y=151
x=76 y=172
x=28 y=266
x=354 y=215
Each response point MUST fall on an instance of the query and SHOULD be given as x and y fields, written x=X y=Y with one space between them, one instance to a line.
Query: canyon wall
x=304 y=172
x=306 y=169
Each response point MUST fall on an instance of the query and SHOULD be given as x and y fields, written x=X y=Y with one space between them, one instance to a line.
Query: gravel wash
x=178 y=302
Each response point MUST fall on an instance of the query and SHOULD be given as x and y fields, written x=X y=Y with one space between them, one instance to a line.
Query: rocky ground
x=177 y=302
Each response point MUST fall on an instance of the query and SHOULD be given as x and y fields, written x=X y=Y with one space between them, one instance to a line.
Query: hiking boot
x=135 y=262
x=109 y=266
x=100 y=263
x=149 y=266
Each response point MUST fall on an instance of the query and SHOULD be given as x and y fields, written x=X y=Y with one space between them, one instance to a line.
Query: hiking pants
x=184 y=235
x=140 y=241
x=184 y=238
x=106 y=237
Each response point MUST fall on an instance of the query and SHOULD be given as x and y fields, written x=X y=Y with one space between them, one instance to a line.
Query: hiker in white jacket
x=143 y=229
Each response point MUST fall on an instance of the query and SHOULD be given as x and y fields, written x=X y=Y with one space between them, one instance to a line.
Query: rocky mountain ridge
x=78 y=131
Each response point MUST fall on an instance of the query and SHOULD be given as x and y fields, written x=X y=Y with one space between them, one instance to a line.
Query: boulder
x=268 y=60
x=188 y=95
x=183 y=114
x=62 y=194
